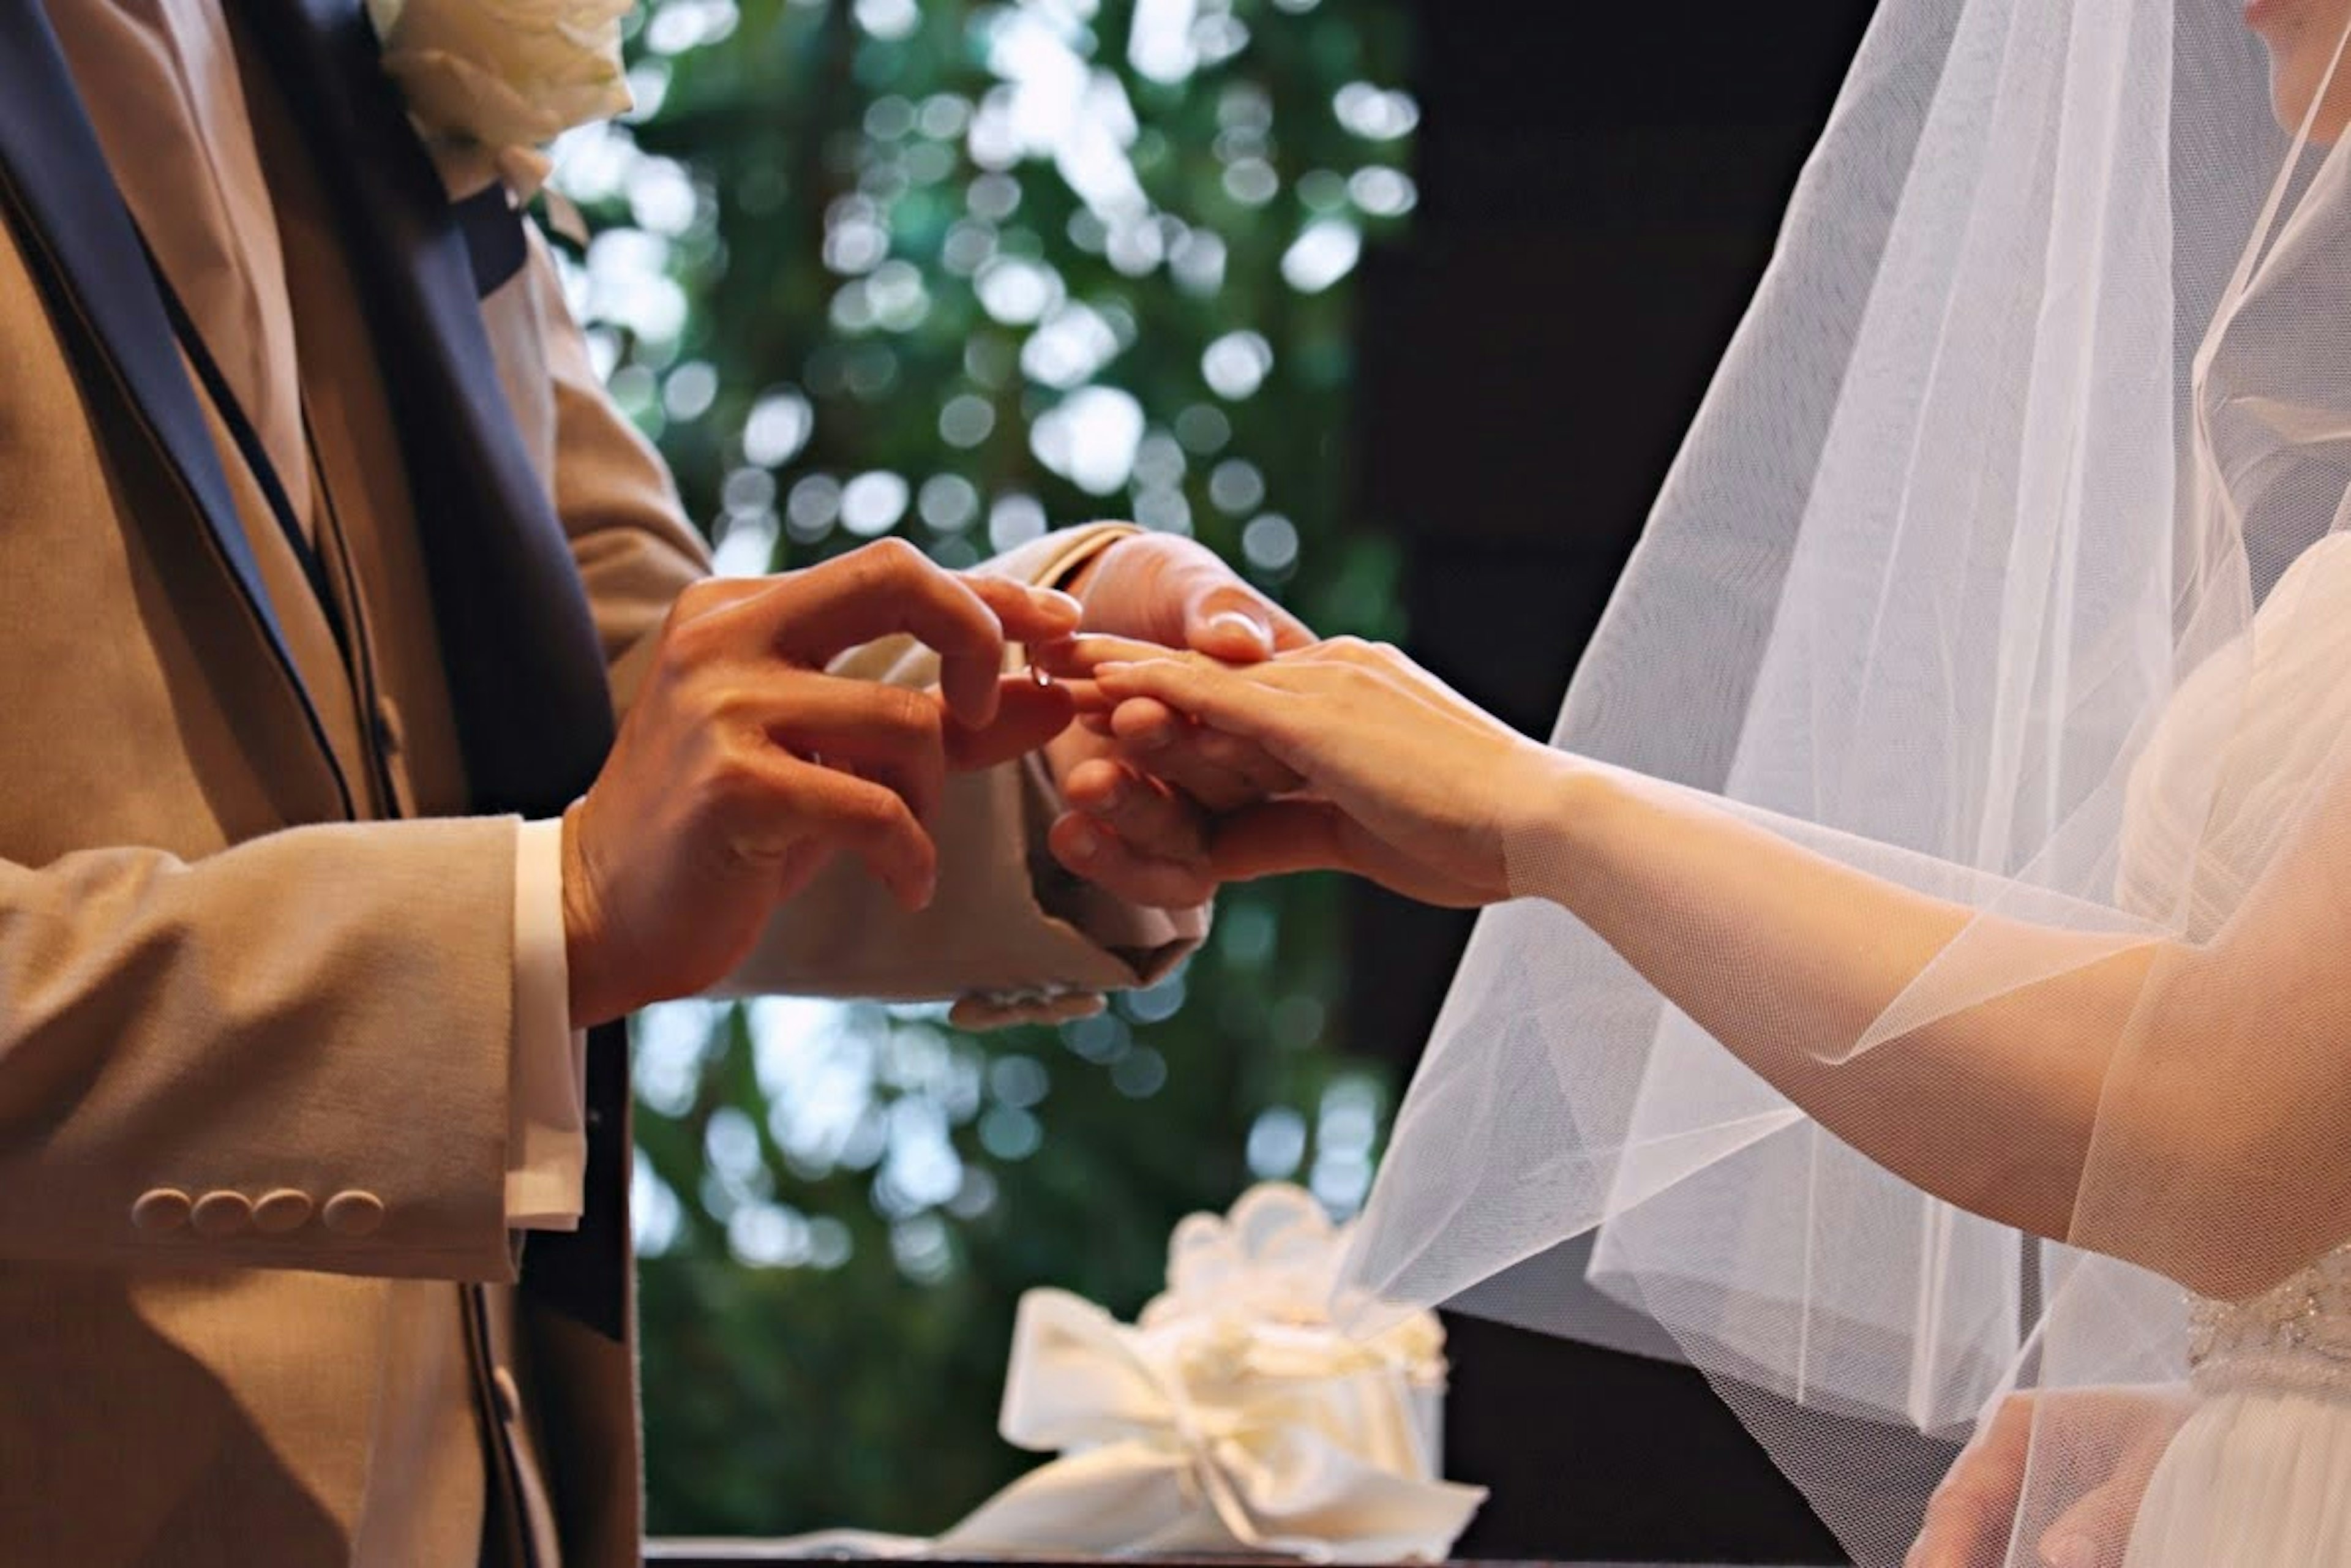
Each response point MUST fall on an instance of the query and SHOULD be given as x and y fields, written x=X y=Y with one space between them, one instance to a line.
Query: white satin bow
x=1208 y=1434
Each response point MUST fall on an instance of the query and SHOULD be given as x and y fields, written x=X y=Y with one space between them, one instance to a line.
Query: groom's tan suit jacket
x=255 y=1059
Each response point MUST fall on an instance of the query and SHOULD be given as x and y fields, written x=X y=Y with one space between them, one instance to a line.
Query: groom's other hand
x=742 y=766
x=1144 y=785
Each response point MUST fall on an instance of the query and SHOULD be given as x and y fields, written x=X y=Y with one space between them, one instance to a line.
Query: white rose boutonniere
x=499 y=79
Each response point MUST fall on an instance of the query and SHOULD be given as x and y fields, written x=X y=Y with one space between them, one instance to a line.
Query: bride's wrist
x=1549 y=835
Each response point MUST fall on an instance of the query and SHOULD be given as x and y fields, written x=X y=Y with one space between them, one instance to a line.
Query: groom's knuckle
x=879 y=568
x=1214 y=746
x=692 y=600
x=691 y=636
x=725 y=706
x=893 y=558
x=737 y=777
x=866 y=813
x=911 y=716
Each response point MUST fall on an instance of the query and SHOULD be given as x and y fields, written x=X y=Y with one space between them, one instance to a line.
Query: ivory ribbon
x=1212 y=1436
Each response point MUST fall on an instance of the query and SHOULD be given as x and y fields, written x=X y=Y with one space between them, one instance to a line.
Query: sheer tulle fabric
x=2000 y=563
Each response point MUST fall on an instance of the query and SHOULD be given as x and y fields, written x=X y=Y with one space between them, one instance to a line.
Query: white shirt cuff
x=547 y=1098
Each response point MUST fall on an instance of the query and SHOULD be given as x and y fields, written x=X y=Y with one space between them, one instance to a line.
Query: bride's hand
x=1404 y=780
x=2112 y=1438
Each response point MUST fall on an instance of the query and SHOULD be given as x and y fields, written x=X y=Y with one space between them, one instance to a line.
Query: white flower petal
x=507 y=74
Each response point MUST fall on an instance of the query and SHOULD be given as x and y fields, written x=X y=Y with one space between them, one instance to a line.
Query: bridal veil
x=2001 y=562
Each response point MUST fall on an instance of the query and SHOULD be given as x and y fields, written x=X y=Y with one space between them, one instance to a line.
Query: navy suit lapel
x=87 y=255
x=534 y=711
x=526 y=669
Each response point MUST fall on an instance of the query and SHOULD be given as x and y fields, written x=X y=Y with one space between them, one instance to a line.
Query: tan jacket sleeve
x=620 y=508
x=292 y=1053
x=1008 y=919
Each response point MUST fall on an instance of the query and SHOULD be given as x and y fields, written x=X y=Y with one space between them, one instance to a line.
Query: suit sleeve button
x=219 y=1214
x=161 y=1211
x=353 y=1213
x=281 y=1211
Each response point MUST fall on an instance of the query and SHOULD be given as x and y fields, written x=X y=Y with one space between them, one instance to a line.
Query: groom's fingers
x=1220 y=765
x=1037 y=617
x=1027 y=716
x=1254 y=774
x=1091 y=850
x=982 y=1014
x=882 y=590
x=1148 y=817
x=1278 y=838
x=1212 y=767
x=1226 y=619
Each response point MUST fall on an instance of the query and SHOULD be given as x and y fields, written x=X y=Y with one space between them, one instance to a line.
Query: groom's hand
x=1145 y=786
x=742 y=766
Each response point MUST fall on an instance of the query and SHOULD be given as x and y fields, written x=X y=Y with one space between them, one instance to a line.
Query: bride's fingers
x=1962 y=1526
x=1075 y=657
x=1251 y=702
x=1072 y=662
x=1975 y=1507
x=2094 y=1533
x=1354 y=651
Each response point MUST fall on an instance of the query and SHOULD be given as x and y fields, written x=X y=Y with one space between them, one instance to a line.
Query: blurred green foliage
x=951 y=270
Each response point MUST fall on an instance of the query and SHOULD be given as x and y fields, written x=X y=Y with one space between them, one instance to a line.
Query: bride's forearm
x=1787 y=957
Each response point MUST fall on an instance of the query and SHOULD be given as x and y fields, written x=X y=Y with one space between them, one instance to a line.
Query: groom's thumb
x=1231 y=623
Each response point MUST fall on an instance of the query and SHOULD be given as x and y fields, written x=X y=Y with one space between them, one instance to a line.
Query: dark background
x=1601 y=186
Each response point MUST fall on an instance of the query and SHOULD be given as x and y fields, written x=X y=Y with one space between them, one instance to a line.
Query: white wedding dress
x=2050 y=360
x=2260 y=1475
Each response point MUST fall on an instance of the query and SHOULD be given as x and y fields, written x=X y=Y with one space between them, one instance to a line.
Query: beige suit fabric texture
x=254 y=1075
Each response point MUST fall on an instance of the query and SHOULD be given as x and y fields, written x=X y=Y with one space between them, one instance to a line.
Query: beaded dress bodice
x=2298 y=1334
